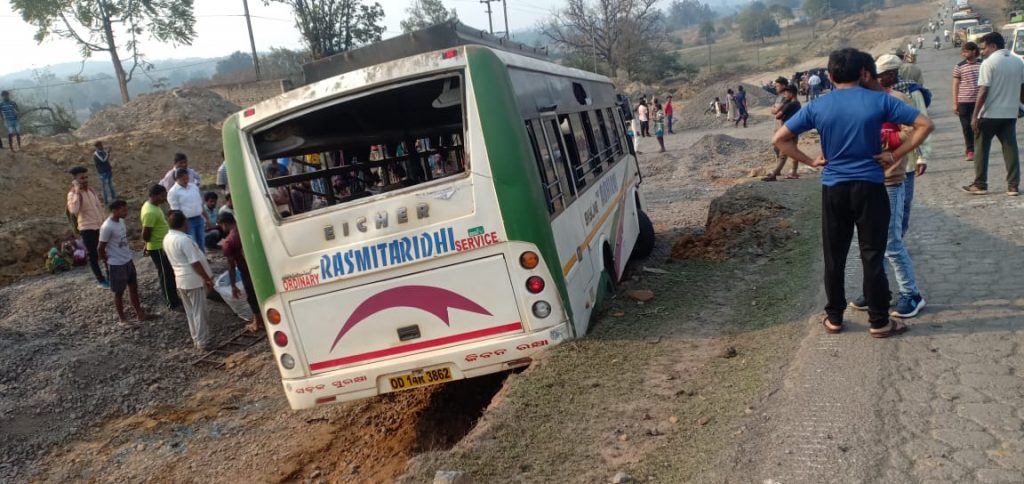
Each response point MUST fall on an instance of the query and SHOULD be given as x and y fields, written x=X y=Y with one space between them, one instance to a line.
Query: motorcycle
x=938 y=45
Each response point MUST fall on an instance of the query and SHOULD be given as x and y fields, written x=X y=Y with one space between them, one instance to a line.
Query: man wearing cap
x=1000 y=94
x=909 y=301
x=853 y=192
x=917 y=164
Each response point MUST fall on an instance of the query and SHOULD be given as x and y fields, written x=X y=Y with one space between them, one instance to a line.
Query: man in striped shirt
x=965 y=92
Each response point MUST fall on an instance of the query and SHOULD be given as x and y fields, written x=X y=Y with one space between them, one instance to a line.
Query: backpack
x=925 y=93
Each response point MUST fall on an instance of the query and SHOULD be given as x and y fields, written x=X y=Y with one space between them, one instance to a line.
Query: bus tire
x=645 y=240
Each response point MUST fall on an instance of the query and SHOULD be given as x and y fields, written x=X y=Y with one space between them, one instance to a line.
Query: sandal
x=769 y=178
x=792 y=177
x=830 y=327
x=895 y=327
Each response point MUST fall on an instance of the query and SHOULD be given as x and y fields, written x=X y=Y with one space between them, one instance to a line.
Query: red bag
x=891 y=137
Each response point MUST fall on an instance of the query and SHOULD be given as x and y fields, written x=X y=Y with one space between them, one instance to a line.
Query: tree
x=780 y=12
x=332 y=26
x=614 y=31
x=424 y=13
x=283 y=63
x=756 y=23
x=707 y=31
x=237 y=62
x=687 y=13
x=97 y=25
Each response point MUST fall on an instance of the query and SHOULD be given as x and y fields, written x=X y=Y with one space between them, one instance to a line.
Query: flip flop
x=895 y=326
x=792 y=177
x=831 y=328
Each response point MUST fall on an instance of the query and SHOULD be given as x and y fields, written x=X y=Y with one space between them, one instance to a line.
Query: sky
x=220 y=30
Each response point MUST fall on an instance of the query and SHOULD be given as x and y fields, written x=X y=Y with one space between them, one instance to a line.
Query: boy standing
x=117 y=257
x=101 y=157
x=9 y=111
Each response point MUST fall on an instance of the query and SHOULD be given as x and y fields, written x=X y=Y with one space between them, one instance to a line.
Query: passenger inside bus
x=360 y=147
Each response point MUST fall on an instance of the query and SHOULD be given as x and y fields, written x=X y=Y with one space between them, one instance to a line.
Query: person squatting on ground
x=192 y=275
x=117 y=258
x=87 y=212
x=232 y=248
x=1000 y=94
x=180 y=162
x=185 y=197
x=154 y=229
x=740 y=100
x=101 y=158
x=853 y=190
x=789 y=107
x=9 y=111
x=965 y=93
x=909 y=301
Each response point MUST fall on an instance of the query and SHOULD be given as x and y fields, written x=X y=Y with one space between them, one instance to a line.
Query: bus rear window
x=382 y=141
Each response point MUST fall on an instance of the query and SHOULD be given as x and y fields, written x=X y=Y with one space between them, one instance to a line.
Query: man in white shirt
x=1000 y=94
x=117 y=257
x=814 y=82
x=180 y=162
x=222 y=174
x=185 y=197
x=191 y=276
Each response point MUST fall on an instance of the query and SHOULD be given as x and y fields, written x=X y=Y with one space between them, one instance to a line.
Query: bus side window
x=594 y=159
x=548 y=173
x=616 y=131
x=607 y=151
x=559 y=153
x=572 y=151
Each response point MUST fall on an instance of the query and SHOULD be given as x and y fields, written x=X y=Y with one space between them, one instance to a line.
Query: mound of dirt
x=692 y=116
x=156 y=110
x=743 y=225
x=722 y=156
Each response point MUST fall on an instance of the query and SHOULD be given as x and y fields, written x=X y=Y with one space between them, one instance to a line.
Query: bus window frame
x=542 y=154
x=249 y=133
x=550 y=129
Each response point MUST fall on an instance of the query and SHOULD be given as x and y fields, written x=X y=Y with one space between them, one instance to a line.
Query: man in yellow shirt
x=154 y=229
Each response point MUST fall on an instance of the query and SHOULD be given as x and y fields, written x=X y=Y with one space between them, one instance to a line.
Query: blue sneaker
x=908 y=306
x=105 y=284
x=859 y=304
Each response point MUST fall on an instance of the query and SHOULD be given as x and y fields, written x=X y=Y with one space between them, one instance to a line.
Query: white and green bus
x=433 y=207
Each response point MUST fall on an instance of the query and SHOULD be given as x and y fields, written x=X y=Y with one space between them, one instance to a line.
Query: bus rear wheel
x=645 y=240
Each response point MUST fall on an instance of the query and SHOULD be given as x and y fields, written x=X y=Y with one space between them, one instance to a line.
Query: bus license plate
x=420 y=378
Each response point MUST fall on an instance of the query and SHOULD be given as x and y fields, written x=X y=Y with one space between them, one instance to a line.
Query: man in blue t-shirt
x=853 y=194
x=9 y=111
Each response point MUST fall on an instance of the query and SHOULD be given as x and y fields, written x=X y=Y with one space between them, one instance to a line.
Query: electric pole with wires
x=490 y=22
x=252 y=40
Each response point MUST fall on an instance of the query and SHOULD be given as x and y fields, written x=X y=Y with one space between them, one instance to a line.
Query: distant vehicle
x=454 y=204
x=960 y=26
x=1017 y=42
x=977 y=32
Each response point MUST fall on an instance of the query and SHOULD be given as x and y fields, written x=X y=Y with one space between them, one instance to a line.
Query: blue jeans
x=107 y=182
x=670 y=124
x=814 y=92
x=908 y=190
x=895 y=251
x=197 y=230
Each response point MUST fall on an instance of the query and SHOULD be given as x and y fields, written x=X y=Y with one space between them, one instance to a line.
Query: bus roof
x=437 y=37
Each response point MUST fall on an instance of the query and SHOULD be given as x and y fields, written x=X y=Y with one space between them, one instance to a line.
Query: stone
x=315 y=474
x=704 y=420
x=451 y=477
x=728 y=352
x=673 y=419
x=622 y=478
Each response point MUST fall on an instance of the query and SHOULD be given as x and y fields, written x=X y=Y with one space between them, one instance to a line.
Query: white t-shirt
x=116 y=237
x=182 y=252
x=642 y=113
x=814 y=80
x=1003 y=75
x=187 y=199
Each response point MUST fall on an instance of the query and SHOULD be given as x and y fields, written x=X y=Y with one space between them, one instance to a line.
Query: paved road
x=944 y=402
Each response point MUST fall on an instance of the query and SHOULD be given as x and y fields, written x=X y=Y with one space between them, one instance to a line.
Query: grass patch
x=562 y=420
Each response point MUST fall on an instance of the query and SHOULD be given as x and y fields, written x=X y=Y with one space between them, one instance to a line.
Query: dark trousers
x=865 y=206
x=964 y=112
x=91 y=239
x=165 y=274
x=645 y=127
x=1006 y=131
x=742 y=117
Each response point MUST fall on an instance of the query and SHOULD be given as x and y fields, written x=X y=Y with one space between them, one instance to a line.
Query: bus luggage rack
x=238 y=343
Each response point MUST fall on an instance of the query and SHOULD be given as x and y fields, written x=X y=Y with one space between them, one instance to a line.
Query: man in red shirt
x=668 y=113
x=232 y=248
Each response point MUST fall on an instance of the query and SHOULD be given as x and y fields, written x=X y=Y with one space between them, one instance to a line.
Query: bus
x=437 y=206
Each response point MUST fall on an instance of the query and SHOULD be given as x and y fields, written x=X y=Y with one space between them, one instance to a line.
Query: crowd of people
x=176 y=241
x=875 y=130
x=646 y=113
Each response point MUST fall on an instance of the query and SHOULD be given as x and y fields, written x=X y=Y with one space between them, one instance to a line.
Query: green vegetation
x=330 y=27
x=424 y=13
x=756 y=23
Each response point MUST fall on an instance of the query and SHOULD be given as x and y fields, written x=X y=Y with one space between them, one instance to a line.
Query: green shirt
x=153 y=218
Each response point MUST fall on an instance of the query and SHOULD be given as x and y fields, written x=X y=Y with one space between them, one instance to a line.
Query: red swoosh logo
x=433 y=300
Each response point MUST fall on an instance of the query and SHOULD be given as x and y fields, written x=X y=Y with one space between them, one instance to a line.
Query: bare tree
x=96 y=25
x=614 y=31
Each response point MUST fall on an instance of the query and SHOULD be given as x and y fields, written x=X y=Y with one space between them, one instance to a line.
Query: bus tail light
x=274 y=316
x=280 y=339
x=287 y=361
x=449 y=54
x=529 y=260
x=541 y=309
x=535 y=284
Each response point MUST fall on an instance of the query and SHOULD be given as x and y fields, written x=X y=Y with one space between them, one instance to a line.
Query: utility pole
x=490 y=23
x=252 y=40
x=504 y=8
